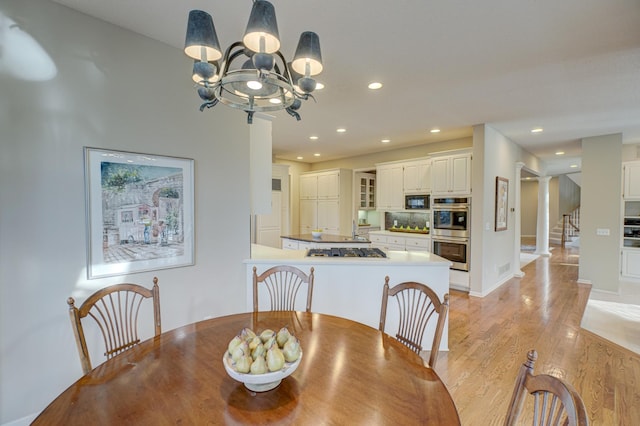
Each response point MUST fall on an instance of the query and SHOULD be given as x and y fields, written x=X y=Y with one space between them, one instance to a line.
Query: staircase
x=569 y=225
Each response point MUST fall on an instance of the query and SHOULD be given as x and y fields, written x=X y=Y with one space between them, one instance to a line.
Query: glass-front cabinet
x=367 y=191
x=631 y=238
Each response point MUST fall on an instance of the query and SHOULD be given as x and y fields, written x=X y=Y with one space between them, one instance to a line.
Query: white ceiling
x=571 y=67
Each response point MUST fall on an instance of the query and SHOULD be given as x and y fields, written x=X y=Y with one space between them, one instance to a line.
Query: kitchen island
x=351 y=287
x=306 y=241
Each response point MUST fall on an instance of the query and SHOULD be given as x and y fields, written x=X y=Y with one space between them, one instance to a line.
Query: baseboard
x=497 y=285
x=584 y=281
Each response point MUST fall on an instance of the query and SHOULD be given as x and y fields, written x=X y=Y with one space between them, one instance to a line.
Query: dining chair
x=283 y=283
x=418 y=305
x=115 y=310
x=555 y=402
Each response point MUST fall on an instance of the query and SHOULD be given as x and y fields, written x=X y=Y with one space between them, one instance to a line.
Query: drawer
x=422 y=243
x=374 y=238
x=289 y=244
x=398 y=241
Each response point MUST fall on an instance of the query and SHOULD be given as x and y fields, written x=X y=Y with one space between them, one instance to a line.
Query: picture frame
x=139 y=212
x=502 y=203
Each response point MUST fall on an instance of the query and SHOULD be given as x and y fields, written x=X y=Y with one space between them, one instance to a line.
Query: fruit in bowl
x=317 y=233
x=261 y=361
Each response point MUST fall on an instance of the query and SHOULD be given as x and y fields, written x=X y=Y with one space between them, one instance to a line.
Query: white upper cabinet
x=308 y=187
x=325 y=201
x=417 y=176
x=451 y=174
x=631 y=187
x=389 y=187
x=329 y=185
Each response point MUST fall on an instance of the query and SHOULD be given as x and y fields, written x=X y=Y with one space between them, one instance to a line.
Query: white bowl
x=260 y=382
x=316 y=234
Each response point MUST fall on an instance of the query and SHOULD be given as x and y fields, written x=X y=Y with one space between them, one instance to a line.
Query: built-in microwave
x=417 y=202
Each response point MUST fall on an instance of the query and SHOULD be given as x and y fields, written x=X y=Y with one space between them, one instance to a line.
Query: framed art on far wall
x=502 y=203
x=140 y=212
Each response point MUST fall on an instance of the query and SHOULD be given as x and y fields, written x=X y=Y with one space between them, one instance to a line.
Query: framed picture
x=140 y=212
x=502 y=203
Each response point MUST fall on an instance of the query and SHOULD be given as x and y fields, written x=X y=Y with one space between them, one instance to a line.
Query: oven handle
x=460 y=240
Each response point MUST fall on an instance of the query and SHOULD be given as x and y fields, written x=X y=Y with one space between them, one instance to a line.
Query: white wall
x=601 y=197
x=114 y=90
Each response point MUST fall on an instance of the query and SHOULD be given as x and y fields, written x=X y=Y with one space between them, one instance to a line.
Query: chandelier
x=252 y=74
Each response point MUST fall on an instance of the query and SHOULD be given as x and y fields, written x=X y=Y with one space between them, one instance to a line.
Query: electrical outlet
x=603 y=231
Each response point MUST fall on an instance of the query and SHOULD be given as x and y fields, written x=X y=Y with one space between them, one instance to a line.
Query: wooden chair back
x=418 y=305
x=555 y=402
x=115 y=309
x=282 y=284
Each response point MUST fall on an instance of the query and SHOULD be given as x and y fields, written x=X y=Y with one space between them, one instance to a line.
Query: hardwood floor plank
x=489 y=338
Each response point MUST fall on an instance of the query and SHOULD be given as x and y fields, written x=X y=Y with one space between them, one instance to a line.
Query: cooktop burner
x=346 y=252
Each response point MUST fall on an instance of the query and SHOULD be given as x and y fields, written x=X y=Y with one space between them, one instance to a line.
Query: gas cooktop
x=346 y=252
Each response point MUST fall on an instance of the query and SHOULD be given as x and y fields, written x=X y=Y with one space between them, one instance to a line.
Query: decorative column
x=517 y=231
x=542 y=234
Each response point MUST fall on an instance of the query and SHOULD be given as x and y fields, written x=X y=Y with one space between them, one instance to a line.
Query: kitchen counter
x=326 y=238
x=351 y=287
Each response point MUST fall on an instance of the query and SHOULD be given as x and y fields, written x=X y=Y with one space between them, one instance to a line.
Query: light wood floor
x=489 y=338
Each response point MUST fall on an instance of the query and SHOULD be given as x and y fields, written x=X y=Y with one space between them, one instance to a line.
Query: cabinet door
x=417 y=176
x=329 y=216
x=329 y=185
x=308 y=187
x=440 y=175
x=461 y=174
x=631 y=263
x=631 y=188
x=308 y=216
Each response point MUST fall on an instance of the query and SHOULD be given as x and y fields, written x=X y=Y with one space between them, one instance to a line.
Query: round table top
x=349 y=374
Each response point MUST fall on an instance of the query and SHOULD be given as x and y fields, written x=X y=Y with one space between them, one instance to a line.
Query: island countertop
x=326 y=238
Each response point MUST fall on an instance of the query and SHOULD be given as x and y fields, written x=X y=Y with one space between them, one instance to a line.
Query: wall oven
x=455 y=249
x=451 y=230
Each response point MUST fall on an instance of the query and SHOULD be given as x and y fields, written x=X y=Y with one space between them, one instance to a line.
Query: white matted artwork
x=140 y=212
x=502 y=203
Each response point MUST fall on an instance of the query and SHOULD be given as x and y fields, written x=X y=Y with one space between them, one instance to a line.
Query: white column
x=517 y=272
x=542 y=234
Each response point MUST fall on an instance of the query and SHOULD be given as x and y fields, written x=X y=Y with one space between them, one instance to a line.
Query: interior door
x=269 y=225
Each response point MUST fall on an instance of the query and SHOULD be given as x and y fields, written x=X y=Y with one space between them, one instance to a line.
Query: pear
x=270 y=342
x=291 y=350
x=241 y=350
x=254 y=342
x=282 y=336
x=259 y=366
x=266 y=335
x=234 y=344
x=259 y=352
x=247 y=334
x=275 y=358
x=243 y=365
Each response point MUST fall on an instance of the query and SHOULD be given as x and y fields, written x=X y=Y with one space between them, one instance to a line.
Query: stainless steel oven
x=450 y=217
x=451 y=230
x=454 y=249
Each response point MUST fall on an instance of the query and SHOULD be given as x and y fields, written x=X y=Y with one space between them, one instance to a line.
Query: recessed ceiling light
x=560 y=153
x=574 y=166
x=317 y=154
x=385 y=140
x=319 y=86
x=537 y=130
x=313 y=138
x=435 y=130
x=375 y=85
x=299 y=157
x=341 y=130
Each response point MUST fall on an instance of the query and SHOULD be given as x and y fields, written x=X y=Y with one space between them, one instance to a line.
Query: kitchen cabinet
x=417 y=176
x=631 y=240
x=325 y=201
x=366 y=187
x=451 y=174
x=389 y=187
x=631 y=187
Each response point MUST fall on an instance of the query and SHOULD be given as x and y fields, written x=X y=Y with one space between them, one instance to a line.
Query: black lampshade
x=308 y=59
x=261 y=34
x=201 y=42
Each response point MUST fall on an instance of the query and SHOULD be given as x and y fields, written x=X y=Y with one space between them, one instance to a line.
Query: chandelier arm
x=208 y=104
x=228 y=57
x=293 y=113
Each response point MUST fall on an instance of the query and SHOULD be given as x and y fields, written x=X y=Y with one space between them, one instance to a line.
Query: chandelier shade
x=261 y=34
x=307 y=60
x=252 y=74
x=201 y=42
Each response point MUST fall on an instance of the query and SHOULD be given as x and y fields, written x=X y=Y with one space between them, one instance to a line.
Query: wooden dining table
x=350 y=374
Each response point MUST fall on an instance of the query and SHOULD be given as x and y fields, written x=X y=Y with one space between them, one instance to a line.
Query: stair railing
x=570 y=225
